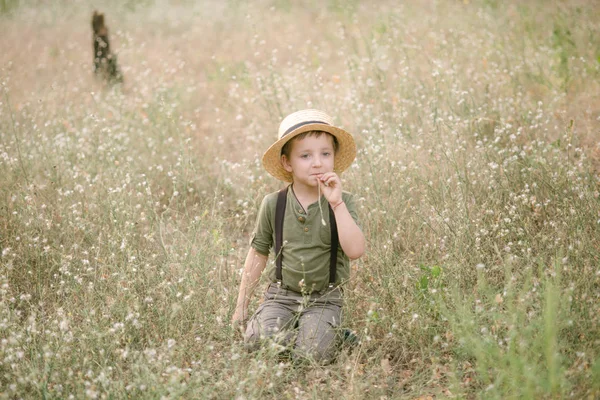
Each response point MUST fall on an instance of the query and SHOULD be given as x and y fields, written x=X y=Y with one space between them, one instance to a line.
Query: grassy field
x=125 y=211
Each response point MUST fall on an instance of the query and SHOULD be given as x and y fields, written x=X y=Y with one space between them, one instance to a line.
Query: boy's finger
x=330 y=177
x=331 y=181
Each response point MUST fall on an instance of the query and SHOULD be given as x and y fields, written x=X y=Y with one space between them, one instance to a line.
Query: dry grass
x=125 y=211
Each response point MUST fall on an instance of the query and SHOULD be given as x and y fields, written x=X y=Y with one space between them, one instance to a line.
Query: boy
x=303 y=304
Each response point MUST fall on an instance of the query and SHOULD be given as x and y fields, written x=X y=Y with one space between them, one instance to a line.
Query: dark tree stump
x=105 y=62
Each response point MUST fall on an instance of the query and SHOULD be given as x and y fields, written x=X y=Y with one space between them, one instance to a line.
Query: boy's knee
x=321 y=350
x=252 y=336
x=256 y=335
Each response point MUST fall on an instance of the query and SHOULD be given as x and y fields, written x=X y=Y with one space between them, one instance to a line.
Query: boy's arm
x=351 y=237
x=253 y=267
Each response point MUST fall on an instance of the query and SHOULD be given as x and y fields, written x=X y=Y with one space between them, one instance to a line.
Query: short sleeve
x=262 y=236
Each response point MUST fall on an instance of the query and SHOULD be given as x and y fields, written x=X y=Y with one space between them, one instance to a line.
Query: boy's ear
x=286 y=163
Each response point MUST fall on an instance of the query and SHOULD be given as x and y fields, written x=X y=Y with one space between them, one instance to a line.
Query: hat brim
x=343 y=157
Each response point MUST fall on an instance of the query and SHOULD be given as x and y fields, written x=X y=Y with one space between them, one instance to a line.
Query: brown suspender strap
x=334 y=246
x=279 y=216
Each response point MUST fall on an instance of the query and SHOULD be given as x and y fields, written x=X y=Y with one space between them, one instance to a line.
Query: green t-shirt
x=306 y=242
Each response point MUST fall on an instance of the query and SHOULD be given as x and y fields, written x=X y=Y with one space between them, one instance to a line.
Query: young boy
x=302 y=307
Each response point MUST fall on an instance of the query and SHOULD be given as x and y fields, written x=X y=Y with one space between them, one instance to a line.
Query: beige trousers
x=306 y=324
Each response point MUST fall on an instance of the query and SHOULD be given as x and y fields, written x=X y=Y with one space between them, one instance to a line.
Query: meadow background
x=125 y=211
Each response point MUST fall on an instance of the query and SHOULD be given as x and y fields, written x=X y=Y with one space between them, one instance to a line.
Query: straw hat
x=304 y=121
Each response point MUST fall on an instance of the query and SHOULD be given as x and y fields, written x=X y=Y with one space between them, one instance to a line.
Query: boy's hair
x=285 y=150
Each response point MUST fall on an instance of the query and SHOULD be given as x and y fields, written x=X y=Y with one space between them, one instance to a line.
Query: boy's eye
x=304 y=156
x=327 y=154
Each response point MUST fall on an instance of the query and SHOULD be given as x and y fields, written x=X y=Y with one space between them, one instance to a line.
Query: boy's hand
x=331 y=187
x=238 y=321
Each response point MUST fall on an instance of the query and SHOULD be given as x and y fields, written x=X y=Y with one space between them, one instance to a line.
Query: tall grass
x=125 y=211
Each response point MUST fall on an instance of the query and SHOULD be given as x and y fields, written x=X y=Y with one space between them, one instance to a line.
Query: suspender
x=334 y=246
x=279 y=216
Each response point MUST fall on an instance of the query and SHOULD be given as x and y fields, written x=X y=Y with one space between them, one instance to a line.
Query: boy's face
x=310 y=158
